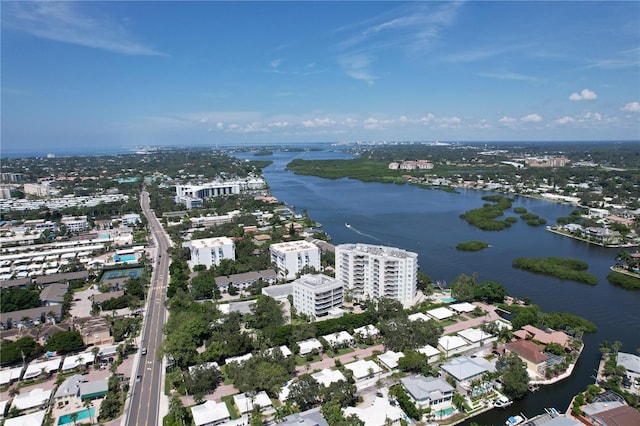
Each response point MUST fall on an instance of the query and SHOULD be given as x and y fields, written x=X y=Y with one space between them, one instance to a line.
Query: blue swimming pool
x=448 y=299
x=84 y=414
x=444 y=413
x=127 y=258
x=120 y=273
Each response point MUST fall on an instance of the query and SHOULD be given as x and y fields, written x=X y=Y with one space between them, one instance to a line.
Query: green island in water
x=563 y=268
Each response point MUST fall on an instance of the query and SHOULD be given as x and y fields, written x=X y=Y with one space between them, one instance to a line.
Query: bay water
x=428 y=223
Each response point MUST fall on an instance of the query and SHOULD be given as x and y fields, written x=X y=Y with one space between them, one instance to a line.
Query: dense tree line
x=513 y=375
x=624 y=281
x=485 y=217
x=466 y=289
x=15 y=299
x=473 y=245
x=266 y=371
x=11 y=352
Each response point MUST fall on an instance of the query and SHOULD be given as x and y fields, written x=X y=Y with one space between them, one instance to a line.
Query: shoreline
x=555 y=231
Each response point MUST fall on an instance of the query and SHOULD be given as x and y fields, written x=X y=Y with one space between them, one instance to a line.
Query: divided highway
x=146 y=393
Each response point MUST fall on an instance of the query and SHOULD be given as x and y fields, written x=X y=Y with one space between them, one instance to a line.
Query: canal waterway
x=428 y=222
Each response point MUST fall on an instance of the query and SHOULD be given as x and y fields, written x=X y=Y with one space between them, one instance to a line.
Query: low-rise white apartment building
x=190 y=192
x=317 y=295
x=370 y=271
x=210 y=251
x=75 y=223
x=291 y=257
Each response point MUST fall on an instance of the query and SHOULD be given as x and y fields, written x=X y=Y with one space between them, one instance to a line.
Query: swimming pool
x=127 y=258
x=121 y=273
x=84 y=414
x=448 y=299
x=444 y=413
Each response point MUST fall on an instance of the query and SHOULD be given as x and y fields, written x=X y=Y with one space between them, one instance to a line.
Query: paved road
x=145 y=400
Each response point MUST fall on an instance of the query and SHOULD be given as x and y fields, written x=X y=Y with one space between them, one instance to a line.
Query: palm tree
x=74 y=417
x=88 y=404
x=14 y=391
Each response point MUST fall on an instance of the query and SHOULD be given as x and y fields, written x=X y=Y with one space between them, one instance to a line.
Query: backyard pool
x=444 y=413
x=84 y=414
x=448 y=299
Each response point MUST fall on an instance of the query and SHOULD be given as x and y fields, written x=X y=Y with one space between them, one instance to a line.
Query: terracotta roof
x=619 y=416
x=546 y=337
x=528 y=350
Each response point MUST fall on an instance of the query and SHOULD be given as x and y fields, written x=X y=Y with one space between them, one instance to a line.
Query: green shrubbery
x=624 y=281
x=472 y=245
x=485 y=217
x=563 y=268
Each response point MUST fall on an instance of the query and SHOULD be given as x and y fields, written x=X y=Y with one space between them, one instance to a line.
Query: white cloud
x=508 y=121
x=358 y=67
x=275 y=63
x=65 y=22
x=564 y=120
x=531 y=118
x=318 y=122
x=584 y=95
x=592 y=116
x=349 y=122
x=279 y=124
x=632 y=107
x=219 y=125
x=427 y=118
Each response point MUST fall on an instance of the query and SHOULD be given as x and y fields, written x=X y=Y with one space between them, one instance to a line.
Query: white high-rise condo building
x=317 y=295
x=291 y=257
x=370 y=271
x=210 y=251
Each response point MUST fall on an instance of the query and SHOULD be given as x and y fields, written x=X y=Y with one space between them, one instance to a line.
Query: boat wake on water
x=349 y=226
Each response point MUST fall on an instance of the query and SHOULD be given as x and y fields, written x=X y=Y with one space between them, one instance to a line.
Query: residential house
x=531 y=353
x=210 y=413
x=429 y=392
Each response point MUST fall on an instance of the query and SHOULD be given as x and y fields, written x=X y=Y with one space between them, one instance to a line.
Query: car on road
x=144 y=351
x=138 y=378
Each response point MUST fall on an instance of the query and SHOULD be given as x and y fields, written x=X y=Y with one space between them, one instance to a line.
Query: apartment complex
x=192 y=195
x=317 y=295
x=210 y=251
x=75 y=223
x=291 y=257
x=370 y=271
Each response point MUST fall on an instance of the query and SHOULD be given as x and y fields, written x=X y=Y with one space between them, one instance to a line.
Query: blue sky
x=79 y=74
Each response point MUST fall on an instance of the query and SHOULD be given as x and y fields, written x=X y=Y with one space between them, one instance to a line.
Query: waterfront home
x=612 y=413
x=529 y=332
x=429 y=392
x=464 y=369
x=210 y=413
x=630 y=362
x=531 y=353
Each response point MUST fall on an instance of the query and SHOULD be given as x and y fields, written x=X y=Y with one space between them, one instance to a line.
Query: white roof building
x=363 y=368
x=70 y=387
x=630 y=362
x=292 y=256
x=377 y=413
x=210 y=413
x=317 y=295
x=429 y=351
x=464 y=369
x=307 y=346
x=284 y=350
x=326 y=376
x=463 y=308
x=239 y=359
x=418 y=316
x=451 y=344
x=339 y=338
x=377 y=271
x=36 y=368
x=33 y=419
x=475 y=335
x=34 y=398
x=440 y=313
x=245 y=401
x=367 y=331
x=390 y=359
x=210 y=251
x=72 y=361
x=10 y=375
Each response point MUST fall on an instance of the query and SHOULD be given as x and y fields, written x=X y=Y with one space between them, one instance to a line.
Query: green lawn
x=233 y=412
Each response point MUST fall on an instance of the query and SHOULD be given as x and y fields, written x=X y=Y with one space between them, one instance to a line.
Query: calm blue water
x=427 y=222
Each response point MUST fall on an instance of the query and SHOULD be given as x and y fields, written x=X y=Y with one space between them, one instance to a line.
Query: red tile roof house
x=529 y=332
x=531 y=353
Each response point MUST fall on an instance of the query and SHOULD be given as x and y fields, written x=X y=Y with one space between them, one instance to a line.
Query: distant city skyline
x=77 y=75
